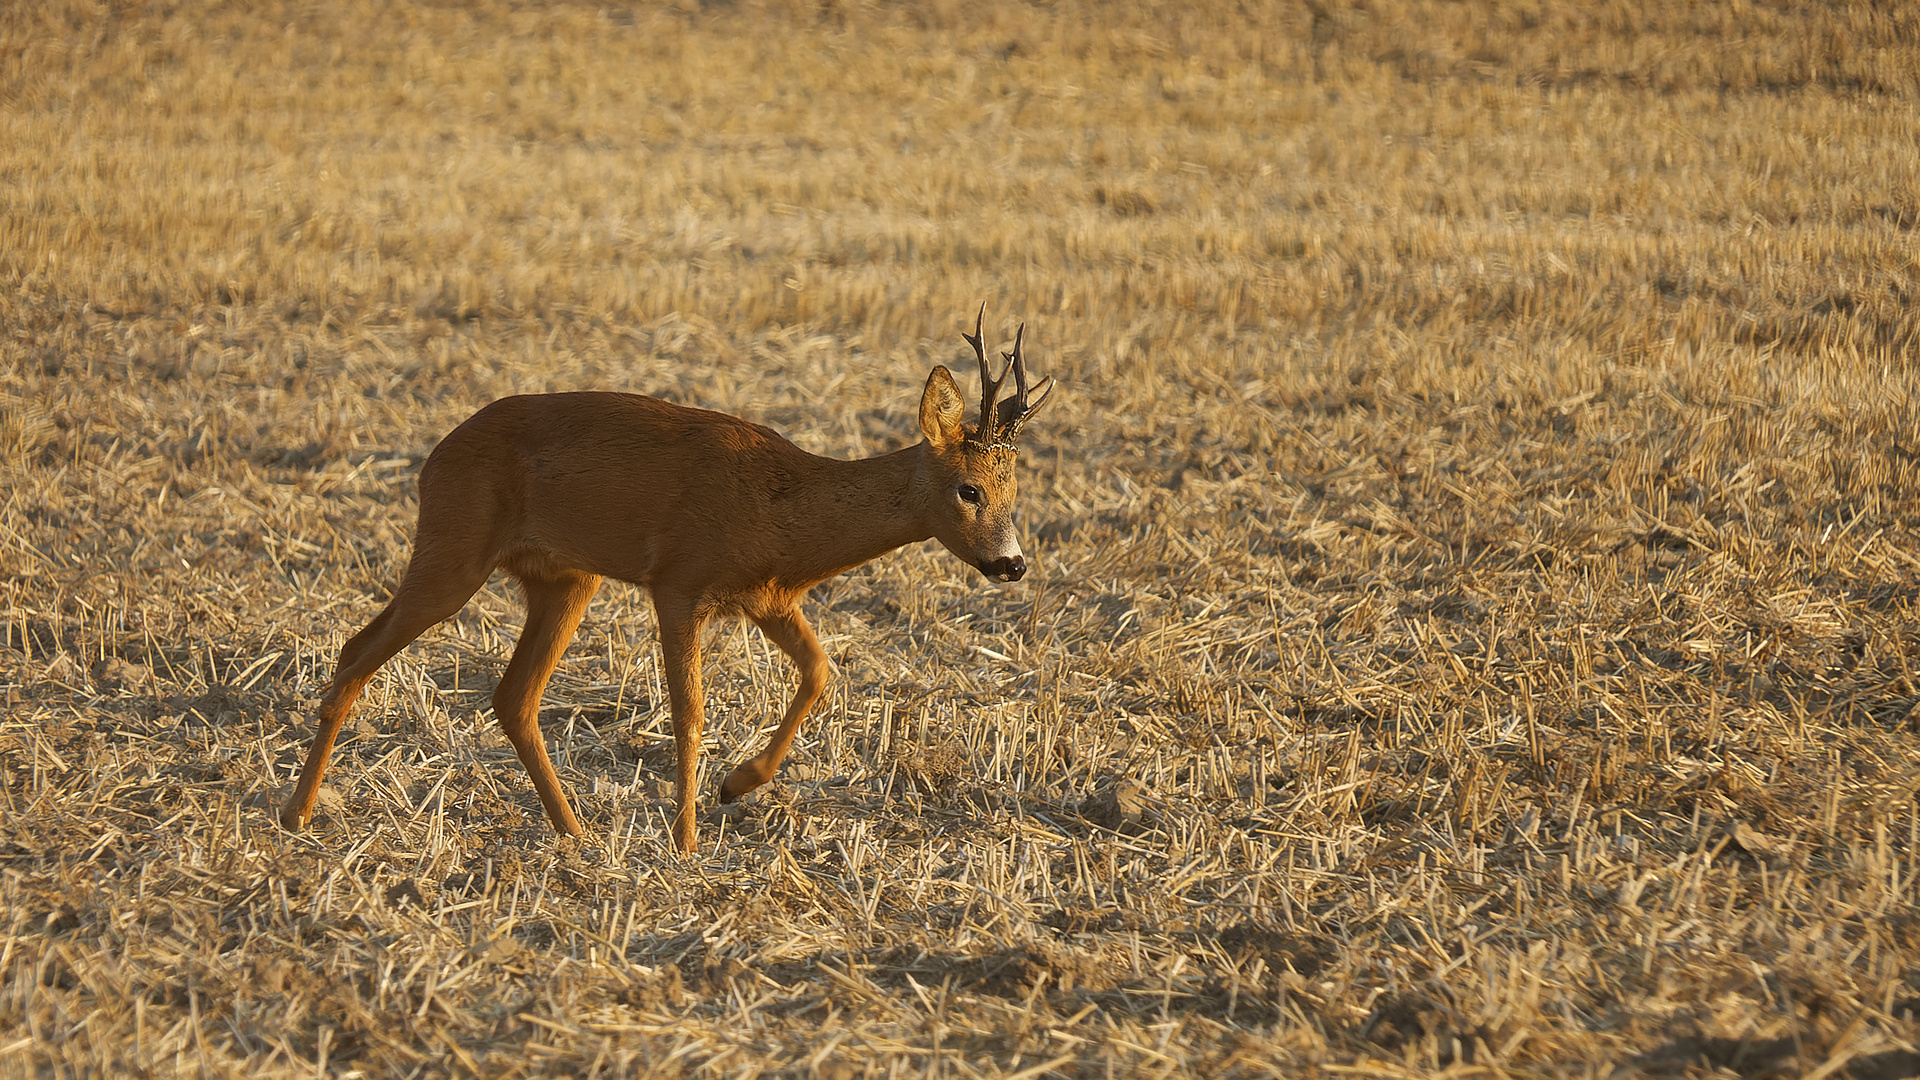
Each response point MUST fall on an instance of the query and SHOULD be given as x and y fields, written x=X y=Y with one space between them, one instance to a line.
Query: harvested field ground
x=1472 y=629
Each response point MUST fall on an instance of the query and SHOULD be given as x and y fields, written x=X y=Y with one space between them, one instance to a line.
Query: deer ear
x=941 y=411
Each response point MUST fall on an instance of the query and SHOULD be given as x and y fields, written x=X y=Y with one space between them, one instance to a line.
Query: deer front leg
x=789 y=630
x=680 y=653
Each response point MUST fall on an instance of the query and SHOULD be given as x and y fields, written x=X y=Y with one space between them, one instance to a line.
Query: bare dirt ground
x=1472 y=626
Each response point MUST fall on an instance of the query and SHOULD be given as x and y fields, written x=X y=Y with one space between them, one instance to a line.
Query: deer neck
x=857 y=511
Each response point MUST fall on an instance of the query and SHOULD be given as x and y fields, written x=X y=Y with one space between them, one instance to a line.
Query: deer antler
x=999 y=427
x=989 y=386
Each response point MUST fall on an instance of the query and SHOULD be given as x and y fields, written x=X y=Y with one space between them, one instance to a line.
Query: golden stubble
x=1471 y=617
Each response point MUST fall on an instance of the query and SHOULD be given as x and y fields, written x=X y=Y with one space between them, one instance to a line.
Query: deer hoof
x=742 y=780
x=683 y=839
x=296 y=818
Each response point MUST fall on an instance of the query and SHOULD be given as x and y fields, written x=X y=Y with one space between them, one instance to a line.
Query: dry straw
x=1472 y=624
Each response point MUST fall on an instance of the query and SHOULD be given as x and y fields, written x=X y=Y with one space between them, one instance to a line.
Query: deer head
x=967 y=485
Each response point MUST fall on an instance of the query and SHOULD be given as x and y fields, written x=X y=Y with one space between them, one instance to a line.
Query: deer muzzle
x=1009 y=568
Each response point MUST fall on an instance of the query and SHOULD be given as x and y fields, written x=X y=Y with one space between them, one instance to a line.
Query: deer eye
x=969 y=493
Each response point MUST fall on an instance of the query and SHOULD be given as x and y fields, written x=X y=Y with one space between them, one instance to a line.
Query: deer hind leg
x=789 y=630
x=556 y=599
x=680 y=627
x=432 y=589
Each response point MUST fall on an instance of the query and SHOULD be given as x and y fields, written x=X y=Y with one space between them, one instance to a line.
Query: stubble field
x=1471 y=629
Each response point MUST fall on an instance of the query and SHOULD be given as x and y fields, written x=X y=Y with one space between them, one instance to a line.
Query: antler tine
x=1019 y=368
x=1016 y=406
x=1045 y=387
x=974 y=339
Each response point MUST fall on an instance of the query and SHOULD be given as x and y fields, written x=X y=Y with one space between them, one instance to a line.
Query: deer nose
x=1011 y=568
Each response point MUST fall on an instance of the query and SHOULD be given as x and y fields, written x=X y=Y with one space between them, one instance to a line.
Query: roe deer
x=712 y=514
